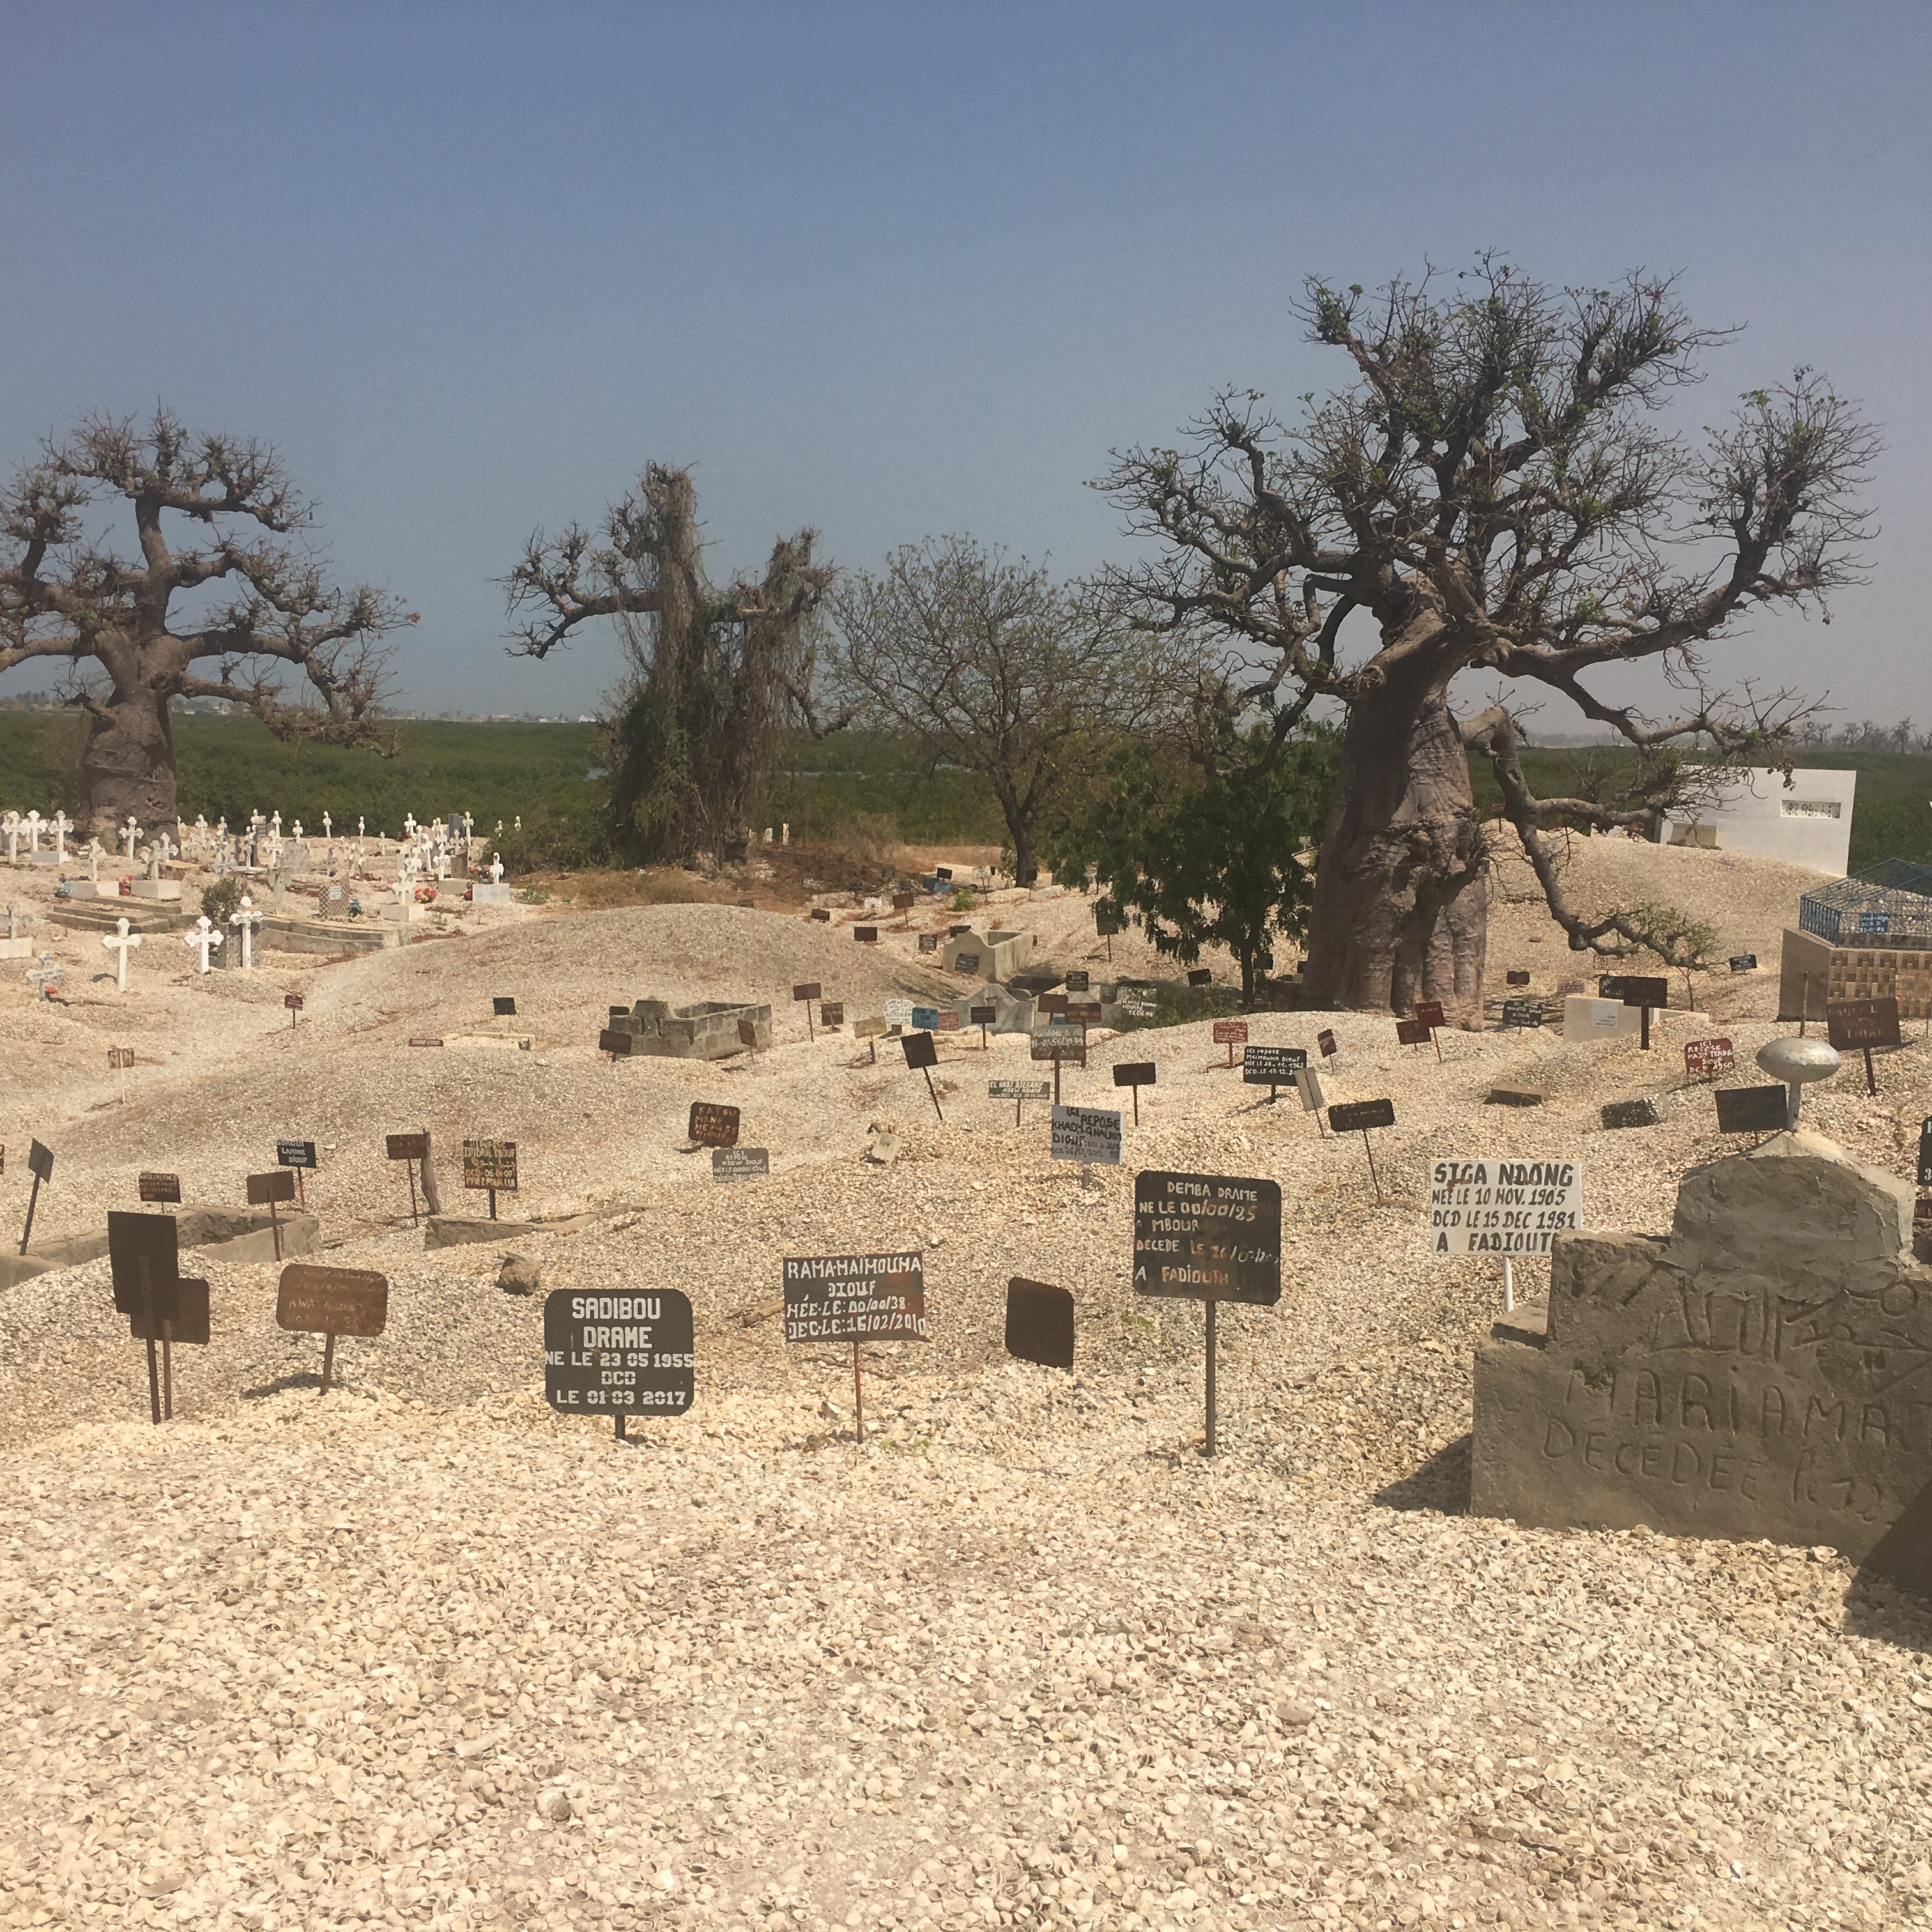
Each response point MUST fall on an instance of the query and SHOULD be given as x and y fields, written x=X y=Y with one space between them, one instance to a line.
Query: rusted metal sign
x=1708 y=1059
x=119 y=1058
x=809 y=989
x=616 y=1039
x=144 y=1259
x=832 y=1014
x=855 y=1297
x=264 y=1189
x=1231 y=1033
x=1413 y=1032
x=1040 y=1323
x=1430 y=1012
x=921 y=1049
x=406 y=1147
x=491 y=1165
x=313 y=1301
x=503 y=1008
x=1853 y=1023
x=160 y=1187
x=712 y=1124
x=1359 y=1117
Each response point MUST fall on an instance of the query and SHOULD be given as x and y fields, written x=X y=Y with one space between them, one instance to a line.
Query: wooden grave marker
x=1506 y=1207
x=299 y=1155
x=921 y=1051
x=619 y=1354
x=803 y=995
x=1754 y=1110
x=144 y=1260
x=1273 y=1067
x=40 y=1165
x=1709 y=1059
x=1017 y=1091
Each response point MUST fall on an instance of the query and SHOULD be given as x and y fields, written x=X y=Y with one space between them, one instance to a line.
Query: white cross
x=201 y=827
x=14 y=917
x=359 y=832
x=275 y=825
x=520 y=821
x=203 y=936
x=467 y=822
x=45 y=974
x=131 y=832
x=247 y=919
x=409 y=823
x=118 y=944
x=297 y=833
x=496 y=870
x=163 y=849
x=94 y=856
x=221 y=827
x=36 y=825
x=60 y=825
x=10 y=826
x=326 y=823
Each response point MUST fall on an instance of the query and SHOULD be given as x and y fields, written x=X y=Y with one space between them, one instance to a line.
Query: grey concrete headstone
x=1646 y=1112
x=1764 y=1372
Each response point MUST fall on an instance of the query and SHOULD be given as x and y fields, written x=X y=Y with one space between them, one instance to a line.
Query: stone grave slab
x=1764 y=1371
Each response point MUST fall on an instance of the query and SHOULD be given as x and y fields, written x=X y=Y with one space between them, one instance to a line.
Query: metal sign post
x=40 y=1165
x=1360 y=1118
x=1208 y=1237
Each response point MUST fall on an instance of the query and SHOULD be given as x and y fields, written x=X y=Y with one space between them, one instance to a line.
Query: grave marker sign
x=1017 y=1091
x=331 y=1301
x=1505 y=1208
x=1361 y=1117
x=619 y=1354
x=1136 y=1074
x=711 y=1124
x=1522 y=1012
x=1230 y=1034
x=408 y=1149
x=1087 y=1134
x=832 y=1014
x=737 y=1163
x=159 y=1187
x=490 y=1165
x=1040 y=1323
x=1273 y=1067
x=1754 y=1110
x=1208 y=1237
x=144 y=1260
x=1862 y=1024
x=1708 y=1059
x=503 y=1007
x=856 y=1298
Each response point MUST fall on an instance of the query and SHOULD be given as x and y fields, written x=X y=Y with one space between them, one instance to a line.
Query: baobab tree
x=1492 y=492
x=242 y=597
x=712 y=673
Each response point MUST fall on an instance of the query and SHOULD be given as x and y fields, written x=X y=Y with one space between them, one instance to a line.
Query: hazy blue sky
x=905 y=269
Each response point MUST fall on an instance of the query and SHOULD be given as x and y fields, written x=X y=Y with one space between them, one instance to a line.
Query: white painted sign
x=898 y=1012
x=1087 y=1134
x=1507 y=1207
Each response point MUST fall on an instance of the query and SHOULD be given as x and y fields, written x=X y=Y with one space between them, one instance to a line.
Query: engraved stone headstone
x=1766 y=1371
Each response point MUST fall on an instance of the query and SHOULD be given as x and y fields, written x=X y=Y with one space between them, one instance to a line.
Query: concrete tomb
x=1808 y=823
x=707 y=1031
x=990 y=955
x=1765 y=1371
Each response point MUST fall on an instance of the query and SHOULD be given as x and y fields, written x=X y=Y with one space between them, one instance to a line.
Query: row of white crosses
x=14 y=828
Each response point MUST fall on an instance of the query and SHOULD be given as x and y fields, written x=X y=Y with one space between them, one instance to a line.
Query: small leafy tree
x=1199 y=846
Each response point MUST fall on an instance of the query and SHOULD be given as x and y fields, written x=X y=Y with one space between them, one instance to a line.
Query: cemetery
x=1505 y=1419
x=933 y=1003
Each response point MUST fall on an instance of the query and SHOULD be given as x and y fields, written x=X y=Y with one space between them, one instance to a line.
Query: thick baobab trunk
x=127 y=765
x=1401 y=909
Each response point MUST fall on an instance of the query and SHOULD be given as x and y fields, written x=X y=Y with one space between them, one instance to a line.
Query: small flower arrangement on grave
x=425 y=894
